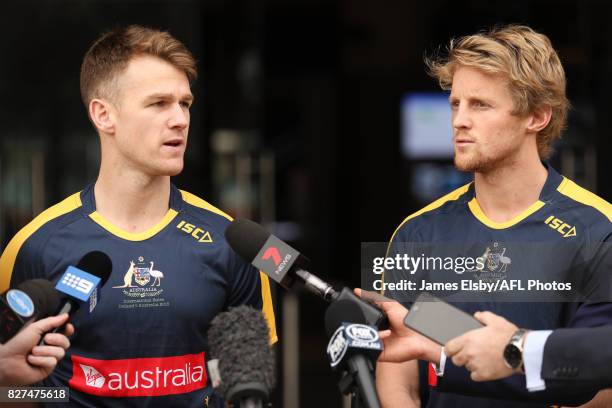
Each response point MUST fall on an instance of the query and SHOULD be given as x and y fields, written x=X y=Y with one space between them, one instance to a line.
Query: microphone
x=31 y=300
x=353 y=348
x=285 y=265
x=81 y=284
x=274 y=257
x=240 y=349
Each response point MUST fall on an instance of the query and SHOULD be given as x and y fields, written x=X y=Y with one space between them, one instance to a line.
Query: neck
x=505 y=192
x=131 y=200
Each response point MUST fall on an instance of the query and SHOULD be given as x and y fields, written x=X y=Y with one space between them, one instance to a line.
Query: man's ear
x=101 y=113
x=539 y=119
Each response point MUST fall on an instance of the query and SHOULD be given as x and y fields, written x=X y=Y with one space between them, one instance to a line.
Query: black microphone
x=285 y=265
x=95 y=263
x=81 y=284
x=242 y=364
x=353 y=348
x=274 y=257
x=31 y=300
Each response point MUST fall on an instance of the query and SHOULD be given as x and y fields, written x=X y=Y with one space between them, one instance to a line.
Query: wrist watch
x=513 y=353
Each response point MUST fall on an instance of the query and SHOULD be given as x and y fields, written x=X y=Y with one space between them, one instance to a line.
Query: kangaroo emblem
x=127 y=278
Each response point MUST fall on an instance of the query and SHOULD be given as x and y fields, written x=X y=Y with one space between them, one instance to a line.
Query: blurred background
x=313 y=117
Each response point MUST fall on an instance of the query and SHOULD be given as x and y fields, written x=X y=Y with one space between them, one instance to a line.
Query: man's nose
x=179 y=117
x=461 y=117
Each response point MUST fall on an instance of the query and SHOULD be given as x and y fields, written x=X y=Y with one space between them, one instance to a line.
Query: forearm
x=397 y=384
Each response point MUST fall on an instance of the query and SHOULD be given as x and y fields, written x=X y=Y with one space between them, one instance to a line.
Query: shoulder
x=50 y=220
x=589 y=214
x=442 y=205
x=585 y=201
x=205 y=214
x=33 y=237
x=202 y=208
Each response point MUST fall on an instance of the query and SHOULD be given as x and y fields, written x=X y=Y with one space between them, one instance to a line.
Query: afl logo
x=20 y=302
x=361 y=332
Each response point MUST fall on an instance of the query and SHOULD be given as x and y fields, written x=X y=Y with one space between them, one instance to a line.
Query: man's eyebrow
x=470 y=96
x=163 y=95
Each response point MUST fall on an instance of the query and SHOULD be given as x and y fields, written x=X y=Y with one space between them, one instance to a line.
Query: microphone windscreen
x=342 y=311
x=246 y=238
x=239 y=339
x=44 y=296
x=96 y=263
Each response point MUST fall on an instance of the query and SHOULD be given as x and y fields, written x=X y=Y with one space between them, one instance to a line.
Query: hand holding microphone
x=31 y=300
x=22 y=362
x=400 y=342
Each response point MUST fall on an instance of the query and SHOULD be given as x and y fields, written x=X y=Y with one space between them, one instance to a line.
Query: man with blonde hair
x=507 y=95
x=173 y=272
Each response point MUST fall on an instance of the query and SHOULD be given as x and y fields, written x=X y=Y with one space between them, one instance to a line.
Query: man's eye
x=454 y=104
x=157 y=103
x=185 y=105
x=480 y=104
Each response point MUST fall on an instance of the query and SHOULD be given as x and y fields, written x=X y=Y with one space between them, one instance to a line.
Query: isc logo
x=196 y=232
x=560 y=226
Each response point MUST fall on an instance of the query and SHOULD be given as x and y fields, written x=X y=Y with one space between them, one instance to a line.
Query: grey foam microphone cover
x=239 y=339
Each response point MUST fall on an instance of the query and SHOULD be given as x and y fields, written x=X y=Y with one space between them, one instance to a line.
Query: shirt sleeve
x=597 y=285
x=27 y=255
x=533 y=355
x=457 y=379
x=20 y=261
x=404 y=243
x=439 y=369
x=251 y=287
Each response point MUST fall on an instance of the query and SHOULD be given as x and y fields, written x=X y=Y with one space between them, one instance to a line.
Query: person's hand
x=481 y=350
x=401 y=343
x=23 y=362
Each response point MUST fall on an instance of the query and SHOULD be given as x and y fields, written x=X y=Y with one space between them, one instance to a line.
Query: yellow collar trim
x=480 y=215
x=130 y=236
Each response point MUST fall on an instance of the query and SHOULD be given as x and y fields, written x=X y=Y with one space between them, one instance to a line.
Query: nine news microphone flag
x=81 y=285
x=31 y=300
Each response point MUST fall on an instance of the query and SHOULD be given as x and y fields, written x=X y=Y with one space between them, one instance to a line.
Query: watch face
x=512 y=355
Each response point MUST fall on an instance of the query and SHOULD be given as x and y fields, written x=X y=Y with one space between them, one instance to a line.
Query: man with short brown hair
x=173 y=272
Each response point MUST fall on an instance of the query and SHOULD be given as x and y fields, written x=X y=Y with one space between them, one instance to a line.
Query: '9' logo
x=84 y=286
